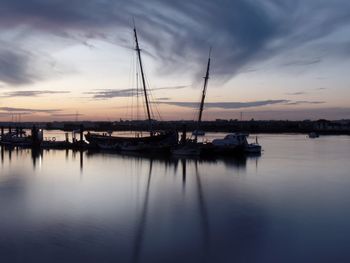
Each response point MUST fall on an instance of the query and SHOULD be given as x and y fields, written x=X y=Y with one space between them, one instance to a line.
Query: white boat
x=252 y=148
x=231 y=140
x=313 y=135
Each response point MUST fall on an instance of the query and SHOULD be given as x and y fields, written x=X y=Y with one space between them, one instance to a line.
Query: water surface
x=291 y=204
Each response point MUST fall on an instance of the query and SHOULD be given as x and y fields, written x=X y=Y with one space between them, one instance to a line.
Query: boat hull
x=157 y=142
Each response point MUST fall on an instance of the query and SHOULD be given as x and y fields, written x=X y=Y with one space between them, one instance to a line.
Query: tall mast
x=143 y=81
x=206 y=78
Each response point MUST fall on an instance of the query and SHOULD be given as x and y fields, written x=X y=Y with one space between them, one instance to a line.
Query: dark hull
x=210 y=149
x=155 y=142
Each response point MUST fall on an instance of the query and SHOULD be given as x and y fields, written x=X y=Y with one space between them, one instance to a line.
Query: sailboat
x=191 y=146
x=156 y=140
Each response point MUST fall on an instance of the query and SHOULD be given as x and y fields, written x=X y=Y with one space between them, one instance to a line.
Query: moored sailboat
x=156 y=140
x=191 y=146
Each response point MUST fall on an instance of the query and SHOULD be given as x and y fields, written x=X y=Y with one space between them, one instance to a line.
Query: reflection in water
x=187 y=210
x=142 y=220
x=37 y=156
x=81 y=160
x=236 y=162
x=2 y=154
x=203 y=212
x=191 y=182
x=183 y=162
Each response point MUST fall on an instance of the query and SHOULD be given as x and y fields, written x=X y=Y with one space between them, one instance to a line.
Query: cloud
x=111 y=93
x=225 y=105
x=122 y=93
x=171 y=87
x=297 y=93
x=31 y=93
x=303 y=62
x=297 y=114
x=8 y=114
x=14 y=67
x=304 y=102
x=177 y=33
x=67 y=115
x=26 y=110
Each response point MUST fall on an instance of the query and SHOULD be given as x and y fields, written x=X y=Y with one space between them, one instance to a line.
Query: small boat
x=253 y=147
x=21 y=139
x=313 y=135
x=198 y=133
x=231 y=143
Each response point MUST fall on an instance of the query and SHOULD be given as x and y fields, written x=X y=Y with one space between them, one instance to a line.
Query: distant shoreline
x=324 y=127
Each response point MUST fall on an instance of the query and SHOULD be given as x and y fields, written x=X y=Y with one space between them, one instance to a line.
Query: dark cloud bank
x=177 y=33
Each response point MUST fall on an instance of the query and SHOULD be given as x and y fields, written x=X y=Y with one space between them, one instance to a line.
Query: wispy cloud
x=297 y=93
x=104 y=94
x=304 y=102
x=31 y=93
x=171 y=87
x=27 y=110
x=178 y=33
x=67 y=115
x=9 y=114
x=225 y=105
x=303 y=62
x=112 y=93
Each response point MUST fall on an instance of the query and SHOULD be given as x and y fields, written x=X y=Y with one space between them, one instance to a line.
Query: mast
x=143 y=82
x=206 y=78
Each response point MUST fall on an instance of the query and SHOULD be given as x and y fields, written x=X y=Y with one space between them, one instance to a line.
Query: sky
x=271 y=59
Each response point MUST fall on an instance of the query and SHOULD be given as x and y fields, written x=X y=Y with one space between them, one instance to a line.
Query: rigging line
x=144 y=105
x=137 y=96
x=154 y=102
x=149 y=99
x=149 y=95
x=130 y=83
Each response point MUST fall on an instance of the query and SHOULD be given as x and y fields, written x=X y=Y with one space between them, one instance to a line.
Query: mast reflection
x=142 y=220
x=203 y=211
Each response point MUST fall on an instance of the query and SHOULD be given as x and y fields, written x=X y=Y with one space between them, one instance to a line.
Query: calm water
x=291 y=204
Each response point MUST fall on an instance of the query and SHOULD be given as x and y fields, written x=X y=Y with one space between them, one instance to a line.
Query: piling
x=183 y=136
x=81 y=133
x=35 y=136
